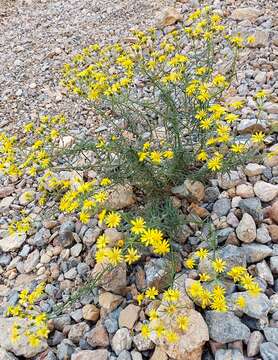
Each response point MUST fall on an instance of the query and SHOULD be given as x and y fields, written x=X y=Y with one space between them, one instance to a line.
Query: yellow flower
x=159 y=329
x=170 y=309
x=205 y=277
x=101 y=255
x=102 y=241
x=101 y=196
x=190 y=263
x=230 y=118
x=258 y=137
x=202 y=156
x=260 y=94
x=182 y=322
x=205 y=298
x=142 y=155
x=132 y=256
x=237 y=104
x=219 y=80
x=219 y=304
x=161 y=248
x=84 y=217
x=151 y=236
x=236 y=273
x=171 y=295
x=251 y=39
x=101 y=216
x=171 y=336
x=202 y=253
x=214 y=163
x=155 y=157
x=240 y=302
x=238 y=148
x=168 y=154
x=140 y=298
x=195 y=290
x=138 y=225
x=153 y=314
x=115 y=256
x=105 y=182
x=218 y=292
x=254 y=289
x=151 y=293
x=33 y=340
x=113 y=219
x=145 y=331
x=219 y=265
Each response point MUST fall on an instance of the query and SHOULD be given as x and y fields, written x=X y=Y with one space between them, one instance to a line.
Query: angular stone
x=12 y=242
x=114 y=280
x=230 y=354
x=246 y=13
x=256 y=307
x=247 y=126
x=256 y=252
x=101 y=354
x=246 y=230
x=253 y=169
x=222 y=207
x=190 y=344
x=254 y=343
x=121 y=341
x=5 y=355
x=129 y=316
x=6 y=191
x=253 y=207
x=121 y=197
x=225 y=327
x=109 y=301
x=31 y=261
x=273 y=213
x=170 y=16
x=264 y=272
x=91 y=235
x=142 y=344
x=20 y=347
x=271 y=334
x=245 y=191
x=157 y=272
x=77 y=331
x=263 y=236
x=90 y=312
x=98 y=337
x=159 y=354
x=269 y=351
x=233 y=255
x=265 y=191
x=231 y=179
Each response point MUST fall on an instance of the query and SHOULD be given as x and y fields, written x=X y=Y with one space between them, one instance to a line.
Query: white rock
x=253 y=169
x=265 y=191
x=245 y=190
x=12 y=242
x=246 y=230
x=246 y=13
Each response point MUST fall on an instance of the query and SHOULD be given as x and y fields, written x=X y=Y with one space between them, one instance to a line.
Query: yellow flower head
x=202 y=253
x=138 y=225
x=258 y=137
x=240 y=302
x=182 y=322
x=151 y=293
x=190 y=263
x=145 y=331
x=219 y=265
x=131 y=256
x=113 y=219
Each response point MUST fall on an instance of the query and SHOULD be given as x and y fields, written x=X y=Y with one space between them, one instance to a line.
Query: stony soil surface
x=36 y=38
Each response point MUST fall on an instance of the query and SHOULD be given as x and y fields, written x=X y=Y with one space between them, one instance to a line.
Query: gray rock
x=31 y=261
x=5 y=355
x=271 y=334
x=136 y=355
x=233 y=255
x=223 y=234
x=76 y=250
x=246 y=229
x=61 y=321
x=256 y=307
x=222 y=207
x=269 y=351
x=247 y=126
x=77 y=315
x=264 y=272
x=57 y=338
x=121 y=341
x=253 y=207
x=91 y=235
x=263 y=236
x=256 y=252
x=66 y=233
x=20 y=347
x=77 y=331
x=265 y=191
x=12 y=242
x=231 y=354
x=157 y=272
x=211 y=194
x=65 y=349
x=225 y=327
x=231 y=179
x=142 y=344
x=274 y=264
x=254 y=343
x=41 y=238
x=50 y=356
x=124 y=355
x=5 y=259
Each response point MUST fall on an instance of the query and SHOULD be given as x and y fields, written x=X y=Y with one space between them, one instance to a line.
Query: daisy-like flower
x=219 y=265
x=161 y=248
x=202 y=253
x=140 y=298
x=113 y=219
x=258 y=137
x=151 y=293
x=131 y=256
x=205 y=277
x=240 y=302
x=190 y=263
x=238 y=148
x=145 y=331
x=115 y=256
x=138 y=225
x=84 y=217
x=182 y=322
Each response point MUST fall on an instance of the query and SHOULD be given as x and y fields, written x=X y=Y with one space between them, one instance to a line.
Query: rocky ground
x=37 y=37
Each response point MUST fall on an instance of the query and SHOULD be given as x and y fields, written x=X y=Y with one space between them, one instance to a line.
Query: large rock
x=129 y=316
x=247 y=126
x=246 y=13
x=273 y=212
x=256 y=307
x=265 y=191
x=121 y=197
x=230 y=179
x=5 y=355
x=253 y=207
x=256 y=252
x=6 y=191
x=233 y=255
x=222 y=207
x=190 y=344
x=101 y=354
x=98 y=337
x=253 y=169
x=20 y=347
x=109 y=301
x=269 y=351
x=169 y=17
x=246 y=230
x=121 y=341
x=271 y=334
x=254 y=343
x=225 y=327
x=114 y=280
x=12 y=242
x=230 y=354
x=190 y=190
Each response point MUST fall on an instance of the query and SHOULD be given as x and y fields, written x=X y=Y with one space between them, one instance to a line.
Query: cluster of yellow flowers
x=31 y=151
x=167 y=318
x=75 y=195
x=154 y=156
x=127 y=249
x=26 y=309
x=207 y=292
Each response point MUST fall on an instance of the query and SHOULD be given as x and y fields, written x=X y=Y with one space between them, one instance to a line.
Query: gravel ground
x=37 y=38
